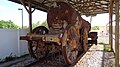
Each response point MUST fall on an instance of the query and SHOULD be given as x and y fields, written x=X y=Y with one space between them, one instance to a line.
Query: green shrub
x=101 y=43
x=107 y=47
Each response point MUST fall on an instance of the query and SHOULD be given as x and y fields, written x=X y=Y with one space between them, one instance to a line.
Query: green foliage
x=101 y=43
x=8 y=24
x=107 y=47
x=25 y=27
x=35 y=25
x=119 y=16
x=45 y=24
x=38 y=24
x=95 y=28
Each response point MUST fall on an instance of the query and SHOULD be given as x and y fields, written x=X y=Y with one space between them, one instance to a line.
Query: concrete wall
x=10 y=43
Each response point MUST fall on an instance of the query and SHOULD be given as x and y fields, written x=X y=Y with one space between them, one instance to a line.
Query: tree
x=35 y=24
x=95 y=28
x=25 y=27
x=38 y=24
x=45 y=24
x=8 y=24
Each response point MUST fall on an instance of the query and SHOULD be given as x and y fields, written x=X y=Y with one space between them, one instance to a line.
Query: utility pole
x=22 y=15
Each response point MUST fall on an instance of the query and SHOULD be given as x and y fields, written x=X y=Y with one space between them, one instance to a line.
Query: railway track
x=57 y=61
x=52 y=60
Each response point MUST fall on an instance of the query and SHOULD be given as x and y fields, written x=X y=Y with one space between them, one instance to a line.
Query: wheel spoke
x=69 y=49
x=38 y=49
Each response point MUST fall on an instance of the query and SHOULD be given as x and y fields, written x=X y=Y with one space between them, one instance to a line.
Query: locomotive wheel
x=40 y=30
x=68 y=50
x=38 y=49
x=85 y=39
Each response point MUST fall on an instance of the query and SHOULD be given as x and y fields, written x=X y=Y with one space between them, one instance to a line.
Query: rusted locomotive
x=68 y=33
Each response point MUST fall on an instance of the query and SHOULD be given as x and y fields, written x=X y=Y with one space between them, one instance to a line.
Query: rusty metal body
x=68 y=33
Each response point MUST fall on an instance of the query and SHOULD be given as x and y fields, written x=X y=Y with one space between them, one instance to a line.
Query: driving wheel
x=38 y=49
x=69 y=49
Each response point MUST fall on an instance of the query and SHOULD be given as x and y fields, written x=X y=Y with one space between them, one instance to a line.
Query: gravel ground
x=96 y=57
x=18 y=62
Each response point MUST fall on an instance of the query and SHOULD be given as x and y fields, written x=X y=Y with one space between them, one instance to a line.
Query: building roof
x=84 y=7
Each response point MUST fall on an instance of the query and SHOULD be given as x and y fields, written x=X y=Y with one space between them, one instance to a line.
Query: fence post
x=19 y=54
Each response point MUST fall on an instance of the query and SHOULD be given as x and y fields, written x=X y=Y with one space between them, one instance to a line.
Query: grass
x=107 y=47
x=101 y=43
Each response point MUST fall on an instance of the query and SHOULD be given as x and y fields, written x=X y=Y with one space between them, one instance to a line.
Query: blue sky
x=9 y=11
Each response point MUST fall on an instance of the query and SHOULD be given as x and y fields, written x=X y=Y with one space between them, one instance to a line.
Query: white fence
x=103 y=39
x=11 y=44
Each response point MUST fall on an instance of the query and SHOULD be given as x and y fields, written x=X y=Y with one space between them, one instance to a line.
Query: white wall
x=103 y=39
x=10 y=42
